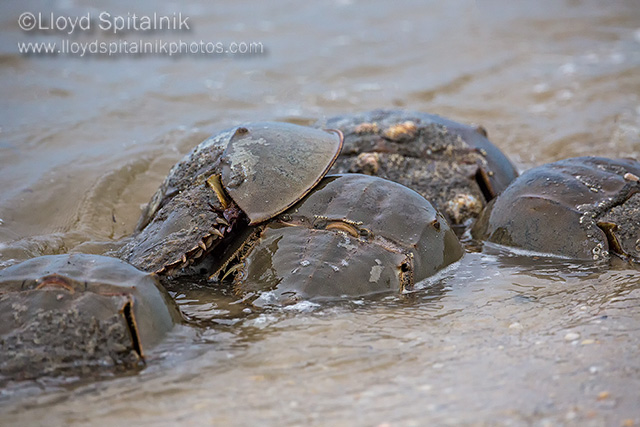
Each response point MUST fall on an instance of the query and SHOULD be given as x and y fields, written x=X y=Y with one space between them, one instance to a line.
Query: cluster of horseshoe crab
x=284 y=213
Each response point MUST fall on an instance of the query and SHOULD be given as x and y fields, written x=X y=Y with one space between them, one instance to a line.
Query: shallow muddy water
x=500 y=338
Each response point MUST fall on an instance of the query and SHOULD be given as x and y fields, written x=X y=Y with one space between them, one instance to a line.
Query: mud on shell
x=238 y=177
x=353 y=235
x=581 y=208
x=452 y=165
x=78 y=314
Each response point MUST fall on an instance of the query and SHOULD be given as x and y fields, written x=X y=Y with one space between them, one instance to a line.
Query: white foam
x=302 y=306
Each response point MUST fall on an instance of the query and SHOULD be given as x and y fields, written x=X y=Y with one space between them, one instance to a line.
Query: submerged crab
x=237 y=178
x=353 y=235
x=582 y=208
x=71 y=314
x=451 y=164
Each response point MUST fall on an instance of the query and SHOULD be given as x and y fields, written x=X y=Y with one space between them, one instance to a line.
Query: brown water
x=499 y=339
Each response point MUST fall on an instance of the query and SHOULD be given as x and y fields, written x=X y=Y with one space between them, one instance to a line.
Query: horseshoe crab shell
x=581 y=208
x=353 y=235
x=76 y=313
x=268 y=167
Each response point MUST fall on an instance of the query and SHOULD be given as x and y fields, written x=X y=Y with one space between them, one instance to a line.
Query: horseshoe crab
x=74 y=314
x=581 y=208
x=239 y=177
x=453 y=165
x=353 y=235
